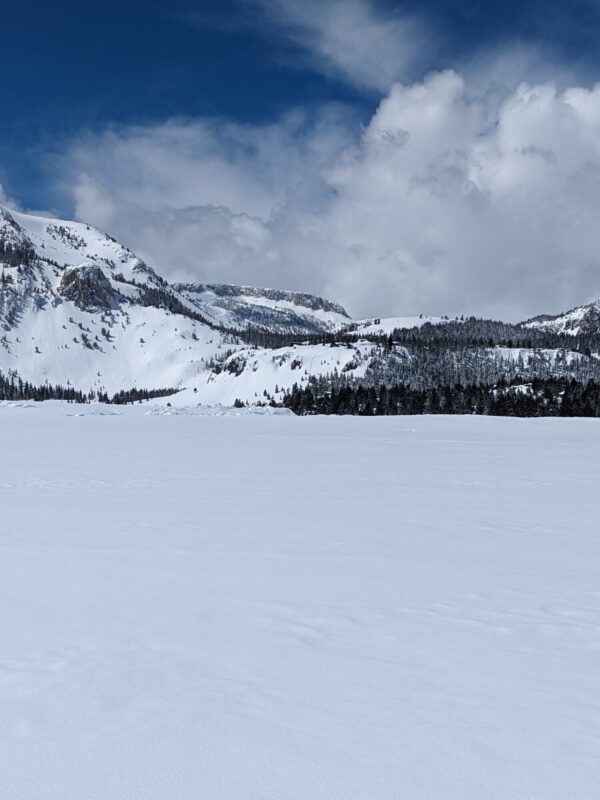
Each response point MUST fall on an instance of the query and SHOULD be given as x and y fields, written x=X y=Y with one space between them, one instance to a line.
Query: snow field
x=233 y=608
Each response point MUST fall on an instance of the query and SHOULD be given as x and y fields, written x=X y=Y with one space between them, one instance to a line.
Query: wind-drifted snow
x=278 y=607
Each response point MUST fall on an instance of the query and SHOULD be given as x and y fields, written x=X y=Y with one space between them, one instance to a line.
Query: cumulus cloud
x=350 y=39
x=448 y=201
x=443 y=206
x=197 y=197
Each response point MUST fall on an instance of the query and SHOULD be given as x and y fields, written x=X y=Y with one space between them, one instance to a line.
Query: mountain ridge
x=584 y=318
x=77 y=308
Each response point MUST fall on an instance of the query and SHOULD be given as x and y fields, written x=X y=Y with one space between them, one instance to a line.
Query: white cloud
x=183 y=163
x=6 y=200
x=350 y=39
x=497 y=71
x=199 y=198
x=207 y=243
x=447 y=202
x=447 y=212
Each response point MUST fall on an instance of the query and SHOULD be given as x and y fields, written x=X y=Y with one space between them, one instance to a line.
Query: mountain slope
x=244 y=307
x=78 y=308
x=581 y=320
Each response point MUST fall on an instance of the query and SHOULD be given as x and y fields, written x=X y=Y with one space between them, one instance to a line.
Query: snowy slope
x=78 y=308
x=240 y=307
x=252 y=374
x=583 y=319
x=301 y=608
x=73 y=243
x=388 y=324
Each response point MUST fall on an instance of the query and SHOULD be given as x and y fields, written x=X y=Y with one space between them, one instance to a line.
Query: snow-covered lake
x=280 y=608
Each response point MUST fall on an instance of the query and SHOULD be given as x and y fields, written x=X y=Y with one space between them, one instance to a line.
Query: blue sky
x=226 y=125
x=72 y=65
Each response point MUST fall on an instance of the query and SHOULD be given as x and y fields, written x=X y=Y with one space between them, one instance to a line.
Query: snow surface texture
x=289 y=608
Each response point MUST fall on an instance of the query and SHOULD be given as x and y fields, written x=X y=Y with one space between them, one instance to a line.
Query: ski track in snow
x=279 y=607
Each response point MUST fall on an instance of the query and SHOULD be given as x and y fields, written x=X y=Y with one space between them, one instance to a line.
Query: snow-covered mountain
x=78 y=308
x=46 y=259
x=244 y=307
x=580 y=320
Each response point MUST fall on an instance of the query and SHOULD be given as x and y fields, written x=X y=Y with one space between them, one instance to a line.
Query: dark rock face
x=89 y=288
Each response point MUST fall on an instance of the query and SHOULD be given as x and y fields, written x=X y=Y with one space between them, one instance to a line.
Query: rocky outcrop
x=89 y=288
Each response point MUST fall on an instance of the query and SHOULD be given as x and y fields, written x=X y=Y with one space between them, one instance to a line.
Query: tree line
x=548 y=397
x=13 y=388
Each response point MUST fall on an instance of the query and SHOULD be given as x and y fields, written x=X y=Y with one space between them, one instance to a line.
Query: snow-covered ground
x=390 y=324
x=271 y=607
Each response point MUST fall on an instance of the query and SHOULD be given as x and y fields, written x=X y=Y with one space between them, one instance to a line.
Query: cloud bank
x=448 y=201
